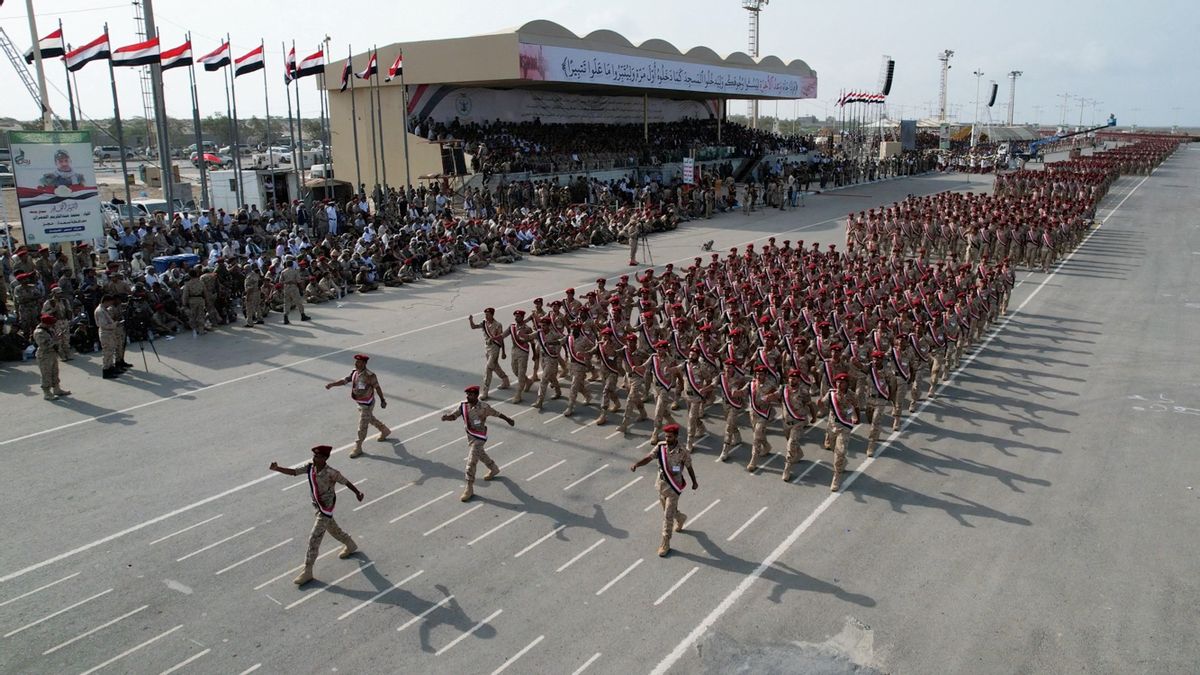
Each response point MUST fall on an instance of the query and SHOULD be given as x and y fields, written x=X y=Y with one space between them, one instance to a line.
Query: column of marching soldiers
x=783 y=337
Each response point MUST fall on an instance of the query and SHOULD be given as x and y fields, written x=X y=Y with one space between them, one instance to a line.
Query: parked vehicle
x=106 y=152
x=212 y=160
x=6 y=176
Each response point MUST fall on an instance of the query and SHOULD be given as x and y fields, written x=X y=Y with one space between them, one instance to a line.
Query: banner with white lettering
x=56 y=186
x=444 y=103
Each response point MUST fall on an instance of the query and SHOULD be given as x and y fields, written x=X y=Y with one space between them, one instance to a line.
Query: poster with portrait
x=56 y=186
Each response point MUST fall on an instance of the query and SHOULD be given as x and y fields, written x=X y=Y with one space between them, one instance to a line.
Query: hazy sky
x=1139 y=59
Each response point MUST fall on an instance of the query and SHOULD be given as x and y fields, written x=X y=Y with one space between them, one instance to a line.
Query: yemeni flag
x=178 y=57
x=289 y=67
x=137 y=54
x=346 y=70
x=217 y=58
x=50 y=46
x=313 y=64
x=397 y=68
x=372 y=68
x=248 y=63
x=93 y=51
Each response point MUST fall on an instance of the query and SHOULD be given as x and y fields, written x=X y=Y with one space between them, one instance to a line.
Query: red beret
x=876 y=354
x=760 y=368
x=647 y=314
x=661 y=343
x=537 y=301
x=670 y=428
x=606 y=331
x=835 y=348
x=570 y=291
x=600 y=280
x=518 y=312
x=473 y=388
x=361 y=357
x=322 y=450
x=731 y=362
x=840 y=376
x=47 y=318
x=546 y=319
x=489 y=310
x=793 y=373
x=630 y=337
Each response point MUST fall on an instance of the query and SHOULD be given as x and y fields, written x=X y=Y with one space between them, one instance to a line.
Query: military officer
x=843 y=417
x=48 y=352
x=364 y=387
x=493 y=341
x=672 y=458
x=474 y=413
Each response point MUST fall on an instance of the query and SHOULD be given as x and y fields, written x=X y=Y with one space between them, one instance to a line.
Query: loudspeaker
x=453 y=161
x=992 y=100
x=887 y=84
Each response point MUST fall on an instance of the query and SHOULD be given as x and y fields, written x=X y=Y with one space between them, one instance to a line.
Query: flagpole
x=47 y=125
x=299 y=125
x=287 y=84
x=70 y=90
x=404 y=116
x=267 y=99
x=379 y=114
x=371 y=114
x=326 y=155
x=112 y=76
x=198 y=131
x=353 y=115
x=236 y=147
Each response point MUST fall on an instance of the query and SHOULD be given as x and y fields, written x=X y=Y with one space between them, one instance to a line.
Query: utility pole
x=975 y=125
x=1065 y=97
x=754 y=7
x=1012 y=93
x=1037 y=114
x=944 y=125
x=1135 y=116
x=160 y=117
x=47 y=123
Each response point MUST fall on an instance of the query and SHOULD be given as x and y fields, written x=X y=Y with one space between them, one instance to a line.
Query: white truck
x=262 y=186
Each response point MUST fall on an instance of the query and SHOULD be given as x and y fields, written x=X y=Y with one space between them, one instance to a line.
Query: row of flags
x=860 y=97
x=148 y=52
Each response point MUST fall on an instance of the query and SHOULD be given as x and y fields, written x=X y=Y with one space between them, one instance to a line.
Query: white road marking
x=707 y=622
x=648 y=442
x=745 y=525
x=620 y=576
x=426 y=613
x=518 y=655
x=558 y=416
x=623 y=488
x=443 y=445
x=467 y=634
x=586 y=477
x=579 y=555
x=774 y=456
x=552 y=466
x=184 y=662
x=342 y=488
x=464 y=514
x=51 y=616
x=494 y=529
x=514 y=461
x=295 y=485
x=413 y=438
x=131 y=650
x=652 y=505
x=246 y=560
x=418 y=508
x=92 y=631
x=693 y=519
x=615 y=433
x=540 y=539
x=212 y=498
x=804 y=473
x=335 y=582
x=583 y=426
x=251 y=669
x=296 y=569
x=587 y=663
x=189 y=527
x=527 y=410
x=380 y=594
x=676 y=585
x=26 y=594
x=380 y=497
x=215 y=544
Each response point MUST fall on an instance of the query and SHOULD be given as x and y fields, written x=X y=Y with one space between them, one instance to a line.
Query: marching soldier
x=364 y=387
x=609 y=353
x=881 y=390
x=549 y=341
x=474 y=414
x=762 y=399
x=322 y=483
x=493 y=340
x=672 y=458
x=799 y=412
x=843 y=417
x=662 y=377
x=522 y=339
x=48 y=352
x=635 y=381
x=697 y=389
x=579 y=351
x=733 y=398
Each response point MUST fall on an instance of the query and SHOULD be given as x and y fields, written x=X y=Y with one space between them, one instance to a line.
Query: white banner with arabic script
x=445 y=103
x=567 y=64
x=56 y=186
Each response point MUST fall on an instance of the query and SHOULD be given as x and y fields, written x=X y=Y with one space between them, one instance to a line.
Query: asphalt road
x=1033 y=518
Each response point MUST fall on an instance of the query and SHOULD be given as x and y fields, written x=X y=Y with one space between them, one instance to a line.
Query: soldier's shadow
x=443 y=611
x=597 y=522
x=426 y=468
x=783 y=577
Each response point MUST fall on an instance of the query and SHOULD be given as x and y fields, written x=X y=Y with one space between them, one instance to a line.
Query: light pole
x=1037 y=115
x=975 y=125
x=943 y=124
x=1012 y=93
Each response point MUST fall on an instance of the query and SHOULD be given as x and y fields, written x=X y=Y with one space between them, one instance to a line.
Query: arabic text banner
x=567 y=64
x=444 y=103
x=56 y=186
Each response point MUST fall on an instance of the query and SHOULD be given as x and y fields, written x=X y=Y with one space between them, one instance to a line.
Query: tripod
x=644 y=245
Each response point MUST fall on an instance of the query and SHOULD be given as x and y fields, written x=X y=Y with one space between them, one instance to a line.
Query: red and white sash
x=496 y=338
x=659 y=375
x=316 y=494
x=762 y=358
x=836 y=410
x=763 y=413
x=787 y=405
x=523 y=346
x=575 y=355
x=912 y=338
x=704 y=352
x=730 y=399
x=607 y=360
x=880 y=384
x=691 y=378
x=827 y=369
x=904 y=372
x=937 y=339
x=472 y=431
x=674 y=478
x=361 y=397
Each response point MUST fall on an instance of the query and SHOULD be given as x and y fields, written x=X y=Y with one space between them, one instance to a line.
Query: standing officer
x=493 y=340
x=364 y=386
x=252 y=297
x=292 y=286
x=195 y=298
x=48 y=351
x=322 y=481
x=58 y=307
x=475 y=413
x=671 y=458
x=107 y=328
